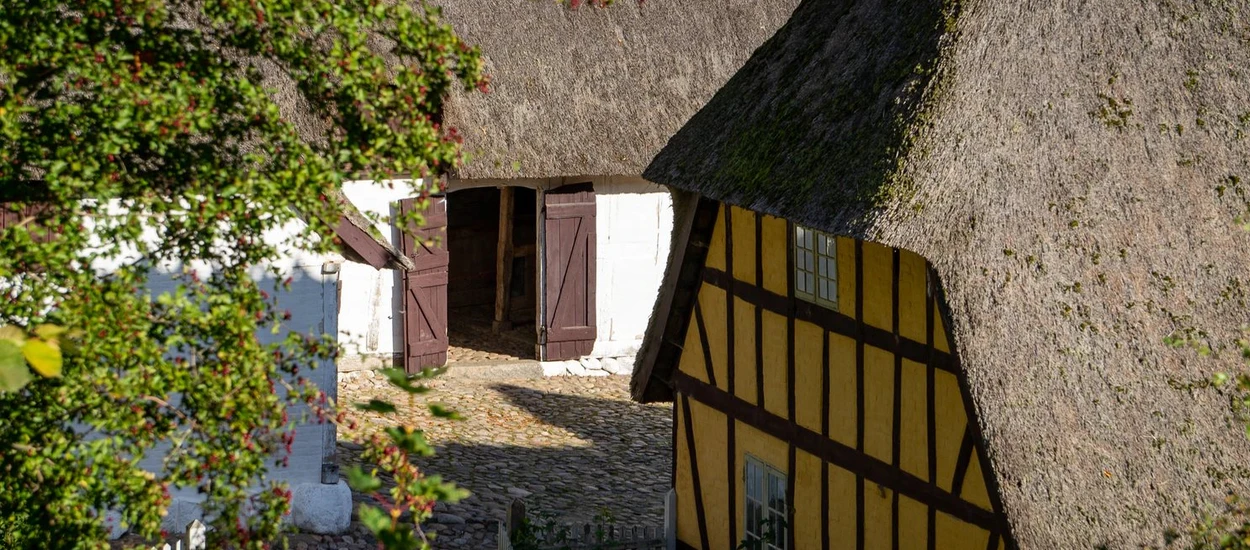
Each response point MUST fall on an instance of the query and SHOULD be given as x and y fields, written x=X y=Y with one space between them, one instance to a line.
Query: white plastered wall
x=313 y=303
x=633 y=221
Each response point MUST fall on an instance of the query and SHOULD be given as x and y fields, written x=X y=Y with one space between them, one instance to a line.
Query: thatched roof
x=595 y=91
x=1073 y=172
x=579 y=92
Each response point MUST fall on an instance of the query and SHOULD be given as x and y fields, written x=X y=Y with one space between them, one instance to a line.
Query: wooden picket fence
x=552 y=535
x=590 y=536
x=195 y=538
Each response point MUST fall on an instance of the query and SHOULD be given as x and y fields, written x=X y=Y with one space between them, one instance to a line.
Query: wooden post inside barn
x=503 y=263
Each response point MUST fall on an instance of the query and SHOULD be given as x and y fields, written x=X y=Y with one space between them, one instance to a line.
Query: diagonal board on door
x=425 y=287
x=569 y=265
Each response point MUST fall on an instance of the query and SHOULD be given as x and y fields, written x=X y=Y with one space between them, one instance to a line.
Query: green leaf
x=377 y=405
x=13 y=372
x=412 y=441
x=45 y=358
x=403 y=381
x=12 y=334
x=49 y=332
x=373 y=518
x=362 y=482
x=443 y=412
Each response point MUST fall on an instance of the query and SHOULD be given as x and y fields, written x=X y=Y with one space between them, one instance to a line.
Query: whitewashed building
x=549 y=224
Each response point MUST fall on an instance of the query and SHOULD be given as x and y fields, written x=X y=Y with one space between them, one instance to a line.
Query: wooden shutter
x=425 y=288
x=28 y=212
x=569 y=265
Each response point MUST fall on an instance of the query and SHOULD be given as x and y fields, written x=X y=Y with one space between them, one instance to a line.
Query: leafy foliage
x=772 y=533
x=413 y=492
x=140 y=142
x=545 y=532
x=41 y=351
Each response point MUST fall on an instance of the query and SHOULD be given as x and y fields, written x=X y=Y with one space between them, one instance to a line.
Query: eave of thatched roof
x=1073 y=172
x=594 y=91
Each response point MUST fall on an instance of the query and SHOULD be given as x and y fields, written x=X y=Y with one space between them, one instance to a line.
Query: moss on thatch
x=852 y=135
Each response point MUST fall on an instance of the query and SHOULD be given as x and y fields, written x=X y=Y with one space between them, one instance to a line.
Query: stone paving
x=571 y=446
x=470 y=339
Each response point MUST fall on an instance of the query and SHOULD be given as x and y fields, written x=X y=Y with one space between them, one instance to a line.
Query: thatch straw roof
x=579 y=92
x=1073 y=172
x=595 y=91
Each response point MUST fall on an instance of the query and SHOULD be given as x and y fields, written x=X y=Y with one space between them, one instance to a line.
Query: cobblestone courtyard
x=571 y=446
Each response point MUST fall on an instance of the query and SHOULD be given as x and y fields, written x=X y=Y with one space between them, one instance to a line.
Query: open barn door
x=568 y=330
x=425 y=288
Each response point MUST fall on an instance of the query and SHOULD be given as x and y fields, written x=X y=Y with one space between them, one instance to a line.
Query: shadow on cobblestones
x=572 y=447
x=583 y=415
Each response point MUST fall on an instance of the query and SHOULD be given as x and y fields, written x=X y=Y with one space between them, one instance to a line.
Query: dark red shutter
x=425 y=288
x=569 y=264
x=10 y=218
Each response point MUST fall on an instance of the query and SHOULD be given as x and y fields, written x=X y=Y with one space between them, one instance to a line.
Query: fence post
x=196 y=537
x=504 y=542
x=670 y=520
x=516 y=516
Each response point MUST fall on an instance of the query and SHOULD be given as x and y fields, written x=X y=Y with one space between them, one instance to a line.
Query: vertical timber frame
x=540 y=249
x=896 y=435
x=791 y=370
x=732 y=451
x=503 y=262
x=859 y=391
x=887 y=472
x=1003 y=528
x=930 y=405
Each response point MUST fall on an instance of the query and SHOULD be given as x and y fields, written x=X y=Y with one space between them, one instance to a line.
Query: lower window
x=765 y=508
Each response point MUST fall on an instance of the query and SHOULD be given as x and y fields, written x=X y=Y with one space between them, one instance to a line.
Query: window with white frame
x=816 y=267
x=765 y=506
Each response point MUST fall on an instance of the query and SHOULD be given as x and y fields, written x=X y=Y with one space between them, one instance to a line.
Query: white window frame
x=815 y=267
x=760 y=481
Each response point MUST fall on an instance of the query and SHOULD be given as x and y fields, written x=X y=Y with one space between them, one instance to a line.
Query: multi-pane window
x=765 y=506
x=816 y=267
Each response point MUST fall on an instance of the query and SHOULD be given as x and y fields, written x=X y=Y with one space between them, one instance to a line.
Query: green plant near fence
x=545 y=531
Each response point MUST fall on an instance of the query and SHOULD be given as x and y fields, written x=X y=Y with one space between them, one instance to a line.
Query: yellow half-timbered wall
x=861 y=407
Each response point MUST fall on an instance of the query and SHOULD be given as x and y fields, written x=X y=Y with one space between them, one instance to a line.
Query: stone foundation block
x=320 y=508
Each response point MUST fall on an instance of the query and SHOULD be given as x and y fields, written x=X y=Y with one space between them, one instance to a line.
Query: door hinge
x=542 y=336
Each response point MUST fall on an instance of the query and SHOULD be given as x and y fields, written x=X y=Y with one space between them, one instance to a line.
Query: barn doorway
x=492 y=275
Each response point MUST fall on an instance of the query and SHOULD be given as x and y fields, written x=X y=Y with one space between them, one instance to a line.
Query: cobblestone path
x=471 y=339
x=571 y=446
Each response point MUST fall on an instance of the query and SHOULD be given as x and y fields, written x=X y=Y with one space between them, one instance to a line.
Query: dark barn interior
x=479 y=327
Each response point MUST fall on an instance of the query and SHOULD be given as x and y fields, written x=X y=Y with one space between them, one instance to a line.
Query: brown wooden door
x=569 y=265
x=425 y=288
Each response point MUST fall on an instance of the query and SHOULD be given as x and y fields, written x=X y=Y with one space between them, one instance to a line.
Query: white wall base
x=590 y=366
x=315 y=508
x=322 y=509
x=348 y=362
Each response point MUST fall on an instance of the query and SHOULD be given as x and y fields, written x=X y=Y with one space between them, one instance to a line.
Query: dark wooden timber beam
x=832 y=321
x=503 y=263
x=833 y=452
